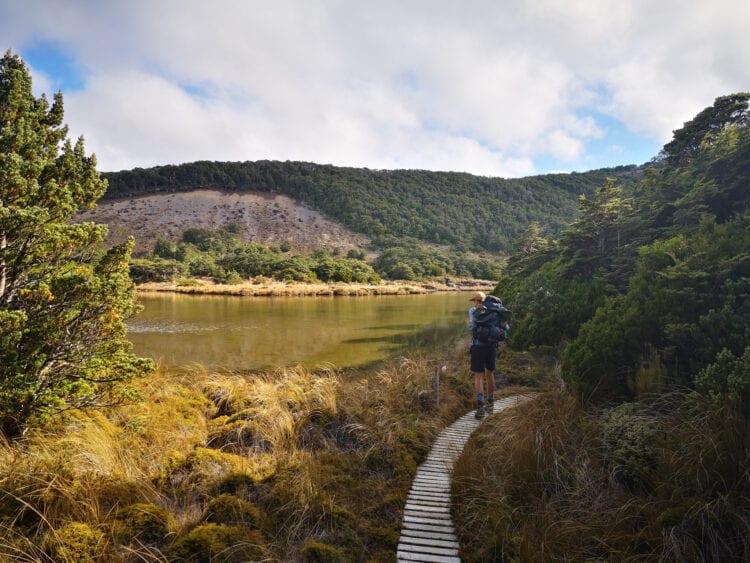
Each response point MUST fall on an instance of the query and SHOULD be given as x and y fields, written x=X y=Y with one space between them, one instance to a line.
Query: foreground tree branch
x=63 y=300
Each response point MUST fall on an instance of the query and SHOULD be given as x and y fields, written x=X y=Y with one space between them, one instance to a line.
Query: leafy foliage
x=460 y=210
x=660 y=277
x=647 y=296
x=727 y=381
x=412 y=261
x=222 y=255
x=62 y=302
x=710 y=124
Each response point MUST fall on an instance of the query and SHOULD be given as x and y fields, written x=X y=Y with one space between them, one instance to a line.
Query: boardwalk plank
x=436 y=528
x=426 y=534
x=429 y=499
x=428 y=520
x=420 y=507
x=420 y=541
x=428 y=486
x=434 y=517
x=444 y=551
x=406 y=556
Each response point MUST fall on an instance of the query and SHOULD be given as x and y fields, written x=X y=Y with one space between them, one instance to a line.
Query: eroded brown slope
x=264 y=218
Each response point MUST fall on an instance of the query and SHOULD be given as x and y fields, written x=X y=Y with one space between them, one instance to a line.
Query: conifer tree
x=63 y=300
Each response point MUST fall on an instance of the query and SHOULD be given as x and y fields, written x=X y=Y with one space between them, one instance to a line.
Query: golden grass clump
x=661 y=479
x=285 y=289
x=263 y=414
x=266 y=287
x=229 y=466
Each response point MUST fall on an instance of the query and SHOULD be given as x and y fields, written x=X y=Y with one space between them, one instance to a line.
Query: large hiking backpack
x=491 y=321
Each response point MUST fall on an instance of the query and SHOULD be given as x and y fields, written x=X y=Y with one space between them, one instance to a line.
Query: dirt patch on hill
x=264 y=218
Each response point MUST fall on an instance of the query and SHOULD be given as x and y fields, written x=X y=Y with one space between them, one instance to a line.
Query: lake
x=260 y=332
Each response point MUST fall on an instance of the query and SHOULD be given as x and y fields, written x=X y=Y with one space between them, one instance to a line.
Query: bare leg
x=490 y=377
x=478 y=383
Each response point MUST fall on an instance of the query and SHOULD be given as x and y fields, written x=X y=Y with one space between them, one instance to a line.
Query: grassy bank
x=662 y=479
x=272 y=288
x=286 y=465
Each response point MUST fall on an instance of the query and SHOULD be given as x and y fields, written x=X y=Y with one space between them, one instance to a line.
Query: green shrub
x=165 y=248
x=630 y=444
x=201 y=470
x=233 y=511
x=318 y=552
x=237 y=484
x=228 y=278
x=144 y=270
x=213 y=543
x=75 y=542
x=727 y=381
x=143 y=523
x=402 y=271
x=356 y=254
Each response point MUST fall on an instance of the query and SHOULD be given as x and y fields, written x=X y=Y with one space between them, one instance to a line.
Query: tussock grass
x=307 y=461
x=665 y=479
x=279 y=288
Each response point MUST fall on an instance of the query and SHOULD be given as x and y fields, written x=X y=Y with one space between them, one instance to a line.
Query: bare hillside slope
x=264 y=218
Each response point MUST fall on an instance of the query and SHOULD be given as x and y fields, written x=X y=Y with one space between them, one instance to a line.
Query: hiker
x=483 y=354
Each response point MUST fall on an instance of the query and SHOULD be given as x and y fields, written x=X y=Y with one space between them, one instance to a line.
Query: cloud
x=678 y=61
x=489 y=87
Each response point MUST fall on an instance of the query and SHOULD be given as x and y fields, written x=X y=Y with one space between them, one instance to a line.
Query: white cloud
x=482 y=86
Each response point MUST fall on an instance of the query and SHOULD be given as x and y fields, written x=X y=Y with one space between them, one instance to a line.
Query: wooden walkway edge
x=427 y=532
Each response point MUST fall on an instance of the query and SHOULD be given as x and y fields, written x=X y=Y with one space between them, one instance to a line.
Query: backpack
x=491 y=321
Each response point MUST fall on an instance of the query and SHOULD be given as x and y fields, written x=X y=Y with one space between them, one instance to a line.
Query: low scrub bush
x=75 y=541
x=220 y=543
x=143 y=523
x=662 y=479
x=234 y=511
x=319 y=552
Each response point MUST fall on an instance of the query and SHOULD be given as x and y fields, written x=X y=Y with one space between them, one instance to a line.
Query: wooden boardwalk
x=427 y=532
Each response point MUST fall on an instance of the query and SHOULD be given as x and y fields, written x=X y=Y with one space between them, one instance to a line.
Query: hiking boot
x=479 y=415
x=490 y=406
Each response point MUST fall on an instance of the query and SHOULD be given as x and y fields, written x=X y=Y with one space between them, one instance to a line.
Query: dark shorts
x=483 y=357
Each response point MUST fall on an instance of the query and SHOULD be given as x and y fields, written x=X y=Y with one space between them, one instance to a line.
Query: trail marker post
x=436 y=385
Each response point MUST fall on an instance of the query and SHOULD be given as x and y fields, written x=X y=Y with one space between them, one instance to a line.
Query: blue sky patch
x=618 y=146
x=62 y=70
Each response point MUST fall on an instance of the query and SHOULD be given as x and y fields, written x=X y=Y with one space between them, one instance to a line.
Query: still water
x=261 y=332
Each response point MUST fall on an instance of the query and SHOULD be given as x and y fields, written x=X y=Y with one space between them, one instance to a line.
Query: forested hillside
x=657 y=277
x=647 y=294
x=461 y=210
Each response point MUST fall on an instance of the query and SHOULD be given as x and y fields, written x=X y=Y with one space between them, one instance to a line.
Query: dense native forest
x=655 y=277
x=642 y=448
x=399 y=210
x=460 y=210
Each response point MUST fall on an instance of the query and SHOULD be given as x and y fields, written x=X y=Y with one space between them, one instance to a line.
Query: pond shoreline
x=298 y=289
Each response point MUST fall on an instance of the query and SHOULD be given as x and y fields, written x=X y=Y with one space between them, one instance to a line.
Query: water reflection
x=260 y=332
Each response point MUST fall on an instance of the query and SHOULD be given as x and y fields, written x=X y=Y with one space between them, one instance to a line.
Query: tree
x=598 y=229
x=63 y=301
x=706 y=126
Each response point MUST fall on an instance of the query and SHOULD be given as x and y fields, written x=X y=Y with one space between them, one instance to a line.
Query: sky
x=490 y=87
